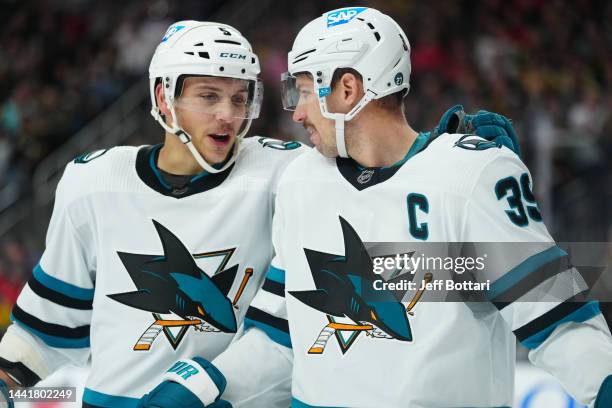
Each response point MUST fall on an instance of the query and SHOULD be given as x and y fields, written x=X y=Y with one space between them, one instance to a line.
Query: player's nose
x=299 y=115
x=224 y=113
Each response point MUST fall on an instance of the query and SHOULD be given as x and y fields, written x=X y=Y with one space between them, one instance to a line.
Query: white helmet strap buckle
x=183 y=136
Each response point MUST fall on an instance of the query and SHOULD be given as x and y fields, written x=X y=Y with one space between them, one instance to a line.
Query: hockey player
x=155 y=252
x=373 y=178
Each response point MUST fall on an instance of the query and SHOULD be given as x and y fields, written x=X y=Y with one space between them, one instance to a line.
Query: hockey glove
x=190 y=384
x=491 y=126
x=5 y=398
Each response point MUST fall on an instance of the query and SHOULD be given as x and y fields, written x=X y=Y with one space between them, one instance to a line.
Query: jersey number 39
x=519 y=212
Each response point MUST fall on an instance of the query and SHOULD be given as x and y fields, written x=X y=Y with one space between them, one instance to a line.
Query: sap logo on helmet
x=232 y=55
x=171 y=31
x=343 y=16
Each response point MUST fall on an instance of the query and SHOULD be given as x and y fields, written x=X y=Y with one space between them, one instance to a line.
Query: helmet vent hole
x=227 y=42
x=198 y=45
x=189 y=53
x=371 y=26
x=252 y=60
x=398 y=61
x=243 y=70
x=300 y=59
x=204 y=55
x=347 y=39
x=377 y=36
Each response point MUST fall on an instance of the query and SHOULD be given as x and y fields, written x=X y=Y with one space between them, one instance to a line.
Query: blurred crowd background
x=69 y=69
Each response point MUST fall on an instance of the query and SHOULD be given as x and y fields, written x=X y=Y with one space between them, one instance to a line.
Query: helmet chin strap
x=185 y=138
x=339 y=119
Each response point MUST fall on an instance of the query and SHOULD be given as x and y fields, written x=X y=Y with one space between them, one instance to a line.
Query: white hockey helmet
x=195 y=48
x=361 y=38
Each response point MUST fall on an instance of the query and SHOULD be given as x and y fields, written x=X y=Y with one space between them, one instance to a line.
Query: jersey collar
x=149 y=173
x=363 y=177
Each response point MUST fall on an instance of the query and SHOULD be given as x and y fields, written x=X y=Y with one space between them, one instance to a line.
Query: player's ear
x=352 y=89
x=161 y=101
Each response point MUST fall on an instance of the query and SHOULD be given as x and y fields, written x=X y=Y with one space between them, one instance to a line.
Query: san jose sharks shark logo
x=173 y=284
x=345 y=293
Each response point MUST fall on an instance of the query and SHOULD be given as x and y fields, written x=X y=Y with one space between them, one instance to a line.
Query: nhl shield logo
x=365 y=176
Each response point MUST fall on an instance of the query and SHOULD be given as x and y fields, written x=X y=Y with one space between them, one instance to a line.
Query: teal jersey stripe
x=199 y=176
x=62 y=287
x=296 y=403
x=53 y=341
x=604 y=396
x=417 y=146
x=275 y=274
x=523 y=269
x=276 y=335
x=586 y=312
x=205 y=173
x=160 y=178
x=99 y=399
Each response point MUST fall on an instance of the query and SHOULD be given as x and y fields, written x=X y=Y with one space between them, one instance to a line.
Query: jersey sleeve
x=52 y=314
x=258 y=365
x=533 y=284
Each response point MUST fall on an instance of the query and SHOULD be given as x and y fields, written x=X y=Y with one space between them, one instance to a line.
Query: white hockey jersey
x=344 y=350
x=142 y=273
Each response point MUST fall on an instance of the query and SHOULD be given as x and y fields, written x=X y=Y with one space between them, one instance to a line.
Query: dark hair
x=390 y=102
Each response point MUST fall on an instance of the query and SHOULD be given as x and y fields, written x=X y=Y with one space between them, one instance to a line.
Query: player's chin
x=214 y=153
x=218 y=154
x=326 y=151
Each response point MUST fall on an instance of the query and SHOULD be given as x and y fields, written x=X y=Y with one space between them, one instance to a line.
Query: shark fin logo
x=345 y=293
x=173 y=284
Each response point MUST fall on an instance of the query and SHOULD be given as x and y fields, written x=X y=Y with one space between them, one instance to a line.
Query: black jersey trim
x=19 y=371
x=274 y=287
x=150 y=175
x=58 y=298
x=364 y=177
x=544 y=272
x=50 y=329
x=259 y=315
x=573 y=309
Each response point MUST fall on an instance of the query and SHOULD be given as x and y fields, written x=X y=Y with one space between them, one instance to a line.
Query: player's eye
x=201 y=311
x=209 y=97
x=239 y=99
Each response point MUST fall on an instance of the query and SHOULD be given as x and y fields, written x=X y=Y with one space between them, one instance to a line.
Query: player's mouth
x=220 y=139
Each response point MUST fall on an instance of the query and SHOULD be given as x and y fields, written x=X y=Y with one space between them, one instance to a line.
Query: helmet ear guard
x=361 y=38
x=193 y=48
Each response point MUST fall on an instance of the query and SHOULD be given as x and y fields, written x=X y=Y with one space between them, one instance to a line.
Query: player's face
x=211 y=110
x=307 y=112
